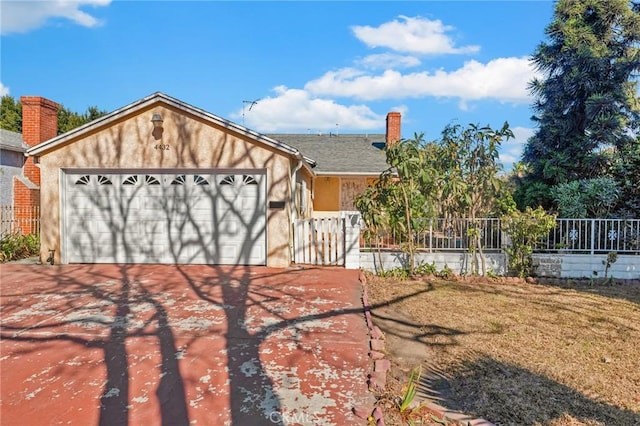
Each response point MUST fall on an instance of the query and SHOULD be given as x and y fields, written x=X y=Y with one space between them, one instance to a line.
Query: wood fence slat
x=22 y=220
x=340 y=240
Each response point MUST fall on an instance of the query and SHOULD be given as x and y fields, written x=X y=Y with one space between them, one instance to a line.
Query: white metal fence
x=593 y=236
x=578 y=236
x=439 y=235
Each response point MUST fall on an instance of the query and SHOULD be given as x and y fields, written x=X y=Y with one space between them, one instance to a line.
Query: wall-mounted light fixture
x=156 y=119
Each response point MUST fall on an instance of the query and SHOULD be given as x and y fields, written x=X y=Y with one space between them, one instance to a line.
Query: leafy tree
x=405 y=186
x=69 y=120
x=586 y=104
x=457 y=177
x=626 y=170
x=371 y=204
x=400 y=200
x=11 y=114
x=471 y=174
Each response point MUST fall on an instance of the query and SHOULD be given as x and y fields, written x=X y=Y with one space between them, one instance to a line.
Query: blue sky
x=311 y=66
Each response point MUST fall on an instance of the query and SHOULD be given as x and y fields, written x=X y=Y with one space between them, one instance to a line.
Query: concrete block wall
x=583 y=266
x=457 y=262
x=548 y=265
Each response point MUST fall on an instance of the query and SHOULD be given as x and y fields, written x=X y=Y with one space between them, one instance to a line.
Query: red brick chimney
x=393 y=127
x=39 y=123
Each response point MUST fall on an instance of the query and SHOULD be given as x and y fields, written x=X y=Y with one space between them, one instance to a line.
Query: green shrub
x=426 y=269
x=525 y=229
x=594 y=197
x=446 y=273
x=17 y=246
x=398 y=273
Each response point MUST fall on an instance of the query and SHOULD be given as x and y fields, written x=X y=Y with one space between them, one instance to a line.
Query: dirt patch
x=514 y=352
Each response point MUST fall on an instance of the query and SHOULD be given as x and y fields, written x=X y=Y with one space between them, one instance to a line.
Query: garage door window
x=179 y=180
x=228 y=180
x=150 y=180
x=103 y=180
x=199 y=180
x=248 y=180
x=131 y=180
x=84 y=180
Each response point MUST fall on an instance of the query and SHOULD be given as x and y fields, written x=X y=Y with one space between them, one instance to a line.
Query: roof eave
x=8 y=147
x=334 y=173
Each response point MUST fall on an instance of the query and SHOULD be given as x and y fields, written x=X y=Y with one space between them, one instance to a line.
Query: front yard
x=516 y=353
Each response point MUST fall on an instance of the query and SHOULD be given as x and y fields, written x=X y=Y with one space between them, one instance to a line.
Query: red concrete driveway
x=179 y=345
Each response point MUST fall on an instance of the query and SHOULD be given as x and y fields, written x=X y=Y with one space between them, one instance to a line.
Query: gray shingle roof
x=340 y=154
x=12 y=141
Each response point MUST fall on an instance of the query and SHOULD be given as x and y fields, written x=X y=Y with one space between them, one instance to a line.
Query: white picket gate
x=319 y=241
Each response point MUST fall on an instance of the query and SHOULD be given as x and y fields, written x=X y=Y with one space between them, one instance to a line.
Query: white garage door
x=153 y=217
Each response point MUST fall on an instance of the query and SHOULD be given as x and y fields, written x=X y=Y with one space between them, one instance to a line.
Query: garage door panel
x=93 y=254
x=85 y=203
x=229 y=228
x=92 y=229
x=165 y=218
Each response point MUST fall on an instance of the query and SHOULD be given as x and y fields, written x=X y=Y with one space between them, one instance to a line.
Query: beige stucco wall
x=192 y=143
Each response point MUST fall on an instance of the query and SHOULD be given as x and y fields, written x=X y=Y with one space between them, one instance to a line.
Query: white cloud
x=511 y=150
x=295 y=110
x=388 y=60
x=24 y=16
x=4 y=90
x=502 y=79
x=413 y=35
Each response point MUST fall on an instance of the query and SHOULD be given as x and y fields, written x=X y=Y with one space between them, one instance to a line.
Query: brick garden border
x=377 y=378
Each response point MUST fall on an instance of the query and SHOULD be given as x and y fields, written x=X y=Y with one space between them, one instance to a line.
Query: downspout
x=292 y=205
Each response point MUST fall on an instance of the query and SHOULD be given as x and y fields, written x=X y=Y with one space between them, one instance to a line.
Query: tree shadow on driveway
x=89 y=309
x=117 y=345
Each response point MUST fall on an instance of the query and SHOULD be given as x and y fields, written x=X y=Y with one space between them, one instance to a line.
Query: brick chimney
x=39 y=123
x=393 y=127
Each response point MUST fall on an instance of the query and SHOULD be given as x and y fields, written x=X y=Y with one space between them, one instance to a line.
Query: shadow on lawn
x=621 y=290
x=506 y=394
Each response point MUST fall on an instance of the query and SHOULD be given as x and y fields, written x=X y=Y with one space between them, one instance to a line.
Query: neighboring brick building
x=21 y=176
x=12 y=159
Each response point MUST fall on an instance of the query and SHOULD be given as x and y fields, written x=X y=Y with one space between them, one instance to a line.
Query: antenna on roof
x=251 y=104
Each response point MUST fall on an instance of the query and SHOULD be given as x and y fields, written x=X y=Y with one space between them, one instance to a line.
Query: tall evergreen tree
x=586 y=104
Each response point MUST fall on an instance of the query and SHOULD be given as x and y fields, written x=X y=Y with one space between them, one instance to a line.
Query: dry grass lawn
x=516 y=353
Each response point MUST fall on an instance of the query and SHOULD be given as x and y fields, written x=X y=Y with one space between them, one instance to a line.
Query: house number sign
x=162 y=147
